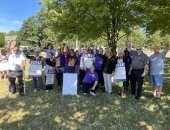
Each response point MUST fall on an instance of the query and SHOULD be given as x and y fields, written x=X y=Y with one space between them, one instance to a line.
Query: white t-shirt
x=15 y=61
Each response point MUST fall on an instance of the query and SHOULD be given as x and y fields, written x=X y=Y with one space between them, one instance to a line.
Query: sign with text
x=35 y=68
x=69 y=84
x=88 y=62
x=49 y=79
x=3 y=65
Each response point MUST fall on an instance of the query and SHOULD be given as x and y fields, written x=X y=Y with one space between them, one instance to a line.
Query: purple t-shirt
x=90 y=77
x=70 y=64
x=98 y=62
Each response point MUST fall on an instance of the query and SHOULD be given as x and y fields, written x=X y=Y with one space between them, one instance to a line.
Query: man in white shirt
x=16 y=66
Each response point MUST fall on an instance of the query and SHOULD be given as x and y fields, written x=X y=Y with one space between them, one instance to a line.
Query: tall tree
x=2 y=39
x=91 y=19
x=36 y=32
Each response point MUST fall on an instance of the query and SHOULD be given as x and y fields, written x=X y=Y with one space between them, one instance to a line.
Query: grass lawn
x=52 y=111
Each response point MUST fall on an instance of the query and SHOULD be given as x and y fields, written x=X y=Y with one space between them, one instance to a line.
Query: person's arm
x=146 y=66
x=129 y=46
x=83 y=63
x=79 y=50
x=95 y=49
x=94 y=86
x=167 y=47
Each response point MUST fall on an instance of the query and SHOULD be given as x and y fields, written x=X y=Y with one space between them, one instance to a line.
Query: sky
x=14 y=12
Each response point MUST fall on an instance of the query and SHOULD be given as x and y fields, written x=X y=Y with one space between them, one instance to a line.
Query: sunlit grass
x=52 y=111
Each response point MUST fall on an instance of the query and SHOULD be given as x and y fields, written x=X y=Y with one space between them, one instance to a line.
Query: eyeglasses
x=138 y=49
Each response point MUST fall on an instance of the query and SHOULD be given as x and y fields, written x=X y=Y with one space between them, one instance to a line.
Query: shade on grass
x=52 y=111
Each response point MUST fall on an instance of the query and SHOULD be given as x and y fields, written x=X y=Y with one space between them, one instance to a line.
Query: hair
x=50 y=45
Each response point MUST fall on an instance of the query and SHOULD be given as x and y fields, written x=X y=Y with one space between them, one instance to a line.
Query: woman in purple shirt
x=90 y=80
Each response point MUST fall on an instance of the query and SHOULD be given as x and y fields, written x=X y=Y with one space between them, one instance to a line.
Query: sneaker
x=35 y=90
x=84 y=93
x=137 y=97
x=92 y=92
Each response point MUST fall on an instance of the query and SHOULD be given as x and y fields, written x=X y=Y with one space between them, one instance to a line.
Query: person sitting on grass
x=90 y=80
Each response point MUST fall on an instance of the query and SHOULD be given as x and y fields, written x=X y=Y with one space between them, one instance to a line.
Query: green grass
x=52 y=111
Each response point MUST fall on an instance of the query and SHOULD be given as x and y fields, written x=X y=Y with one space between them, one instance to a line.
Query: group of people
x=126 y=68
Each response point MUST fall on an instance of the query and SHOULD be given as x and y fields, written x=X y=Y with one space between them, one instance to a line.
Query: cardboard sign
x=4 y=65
x=49 y=79
x=35 y=68
x=69 y=84
x=88 y=62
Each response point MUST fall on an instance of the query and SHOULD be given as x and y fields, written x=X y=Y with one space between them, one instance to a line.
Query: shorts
x=157 y=80
x=119 y=84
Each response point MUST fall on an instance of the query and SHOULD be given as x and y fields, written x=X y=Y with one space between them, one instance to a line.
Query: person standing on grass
x=99 y=58
x=37 y=79
x=16 y=66
x=108 y=68
x=138 y=70
x=90 y=80
x=50 y=50
x=156 y=65
x=4 y=61
x=120 y=73
x=60 y=63
x=50 y=71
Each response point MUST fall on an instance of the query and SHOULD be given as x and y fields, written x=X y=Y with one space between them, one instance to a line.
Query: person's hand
x=143 y=74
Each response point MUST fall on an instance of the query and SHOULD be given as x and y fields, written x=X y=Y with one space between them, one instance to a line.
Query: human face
x=139 y=50
x=92 y=69
x=120 y=54
x=109 y=53
x=37 y=54
x=156 y=49
x=100 y=51
x=50 y=47
x=15 y=50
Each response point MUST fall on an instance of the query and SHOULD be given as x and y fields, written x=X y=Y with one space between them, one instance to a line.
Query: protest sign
x=3 y=65
x=49 y=79
x=35 y=68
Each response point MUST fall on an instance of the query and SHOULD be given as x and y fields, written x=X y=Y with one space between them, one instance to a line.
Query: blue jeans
x=38 y=83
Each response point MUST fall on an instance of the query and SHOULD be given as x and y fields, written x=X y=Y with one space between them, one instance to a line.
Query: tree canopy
x=2 y=39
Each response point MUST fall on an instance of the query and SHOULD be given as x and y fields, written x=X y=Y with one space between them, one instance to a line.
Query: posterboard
x=120 y=73
x=69 y=84
x=35 y=68
x=3 y=65
x=88 y=62
x=49 y=79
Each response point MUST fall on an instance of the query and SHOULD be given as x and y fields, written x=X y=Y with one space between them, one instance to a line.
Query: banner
x=3 y=65
x=69 y=84
x=35 y=68
x=49 y=79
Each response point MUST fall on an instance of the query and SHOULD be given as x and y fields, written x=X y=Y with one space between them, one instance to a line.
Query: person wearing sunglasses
x=156 y=65
x=138 y=70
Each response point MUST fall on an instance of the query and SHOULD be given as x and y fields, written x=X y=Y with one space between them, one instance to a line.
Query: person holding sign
x=49 y=72
x=90 y=80
x=156 y=65
x=16 y=66
x=88 y=60
x=60 y=63
x=3 y=64
x=35 y=70
x=120 y=73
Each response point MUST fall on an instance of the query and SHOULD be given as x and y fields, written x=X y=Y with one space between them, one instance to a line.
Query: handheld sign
x=88 y=62
x=120 y=73
x=3 y=65
x=49 y=79
x=69 y=84
x=35 y=68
